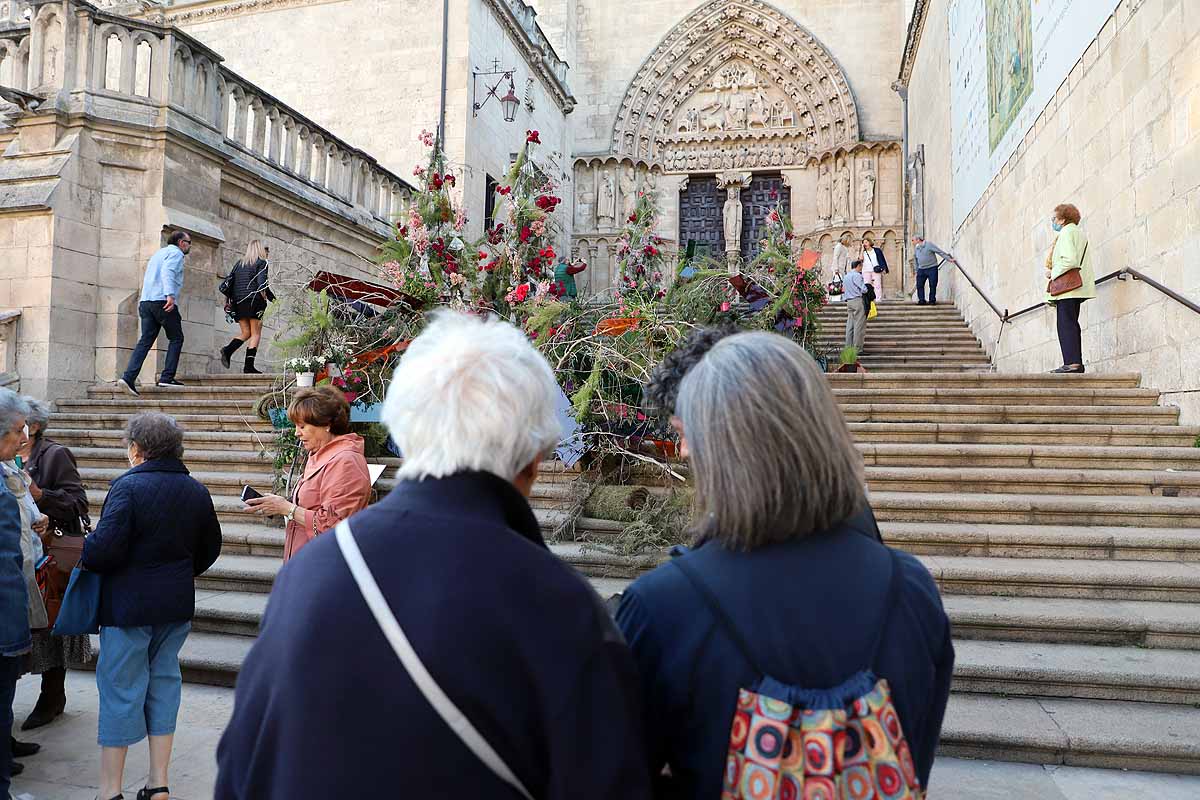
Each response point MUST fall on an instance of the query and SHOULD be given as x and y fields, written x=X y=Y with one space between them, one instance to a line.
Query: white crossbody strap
x=425 y=682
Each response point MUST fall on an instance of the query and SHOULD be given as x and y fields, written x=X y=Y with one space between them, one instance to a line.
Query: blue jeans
x=929 y=276
x=139 y=682
x=154 y=319
x=10 y=670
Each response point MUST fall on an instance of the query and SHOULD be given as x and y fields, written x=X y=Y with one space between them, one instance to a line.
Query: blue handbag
x=80 y=612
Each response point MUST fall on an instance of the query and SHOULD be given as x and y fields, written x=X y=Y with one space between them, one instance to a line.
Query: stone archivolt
x=736 y=85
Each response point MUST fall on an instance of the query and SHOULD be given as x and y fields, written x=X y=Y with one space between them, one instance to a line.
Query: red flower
x=402 y=232
x=522 y=292
x=526 y=233
x=650 y=251
x=482 y=255
x=491 y=265
x=449 y=180
x=435 y=182
x=774 y=195
x=535 y=264
x=532 y=137
x=494 y=234
x=547 y=202
x=504 y=190
x=633 y=217
x=547 y=253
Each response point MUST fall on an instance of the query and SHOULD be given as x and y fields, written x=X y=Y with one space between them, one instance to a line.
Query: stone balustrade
x=83 y=58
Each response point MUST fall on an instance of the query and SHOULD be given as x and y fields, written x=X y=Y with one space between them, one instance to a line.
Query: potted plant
x=849 y=361
x=305 y=368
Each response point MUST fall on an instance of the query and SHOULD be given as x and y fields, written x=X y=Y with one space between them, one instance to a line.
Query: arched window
x=113 y=51
x=143 y=56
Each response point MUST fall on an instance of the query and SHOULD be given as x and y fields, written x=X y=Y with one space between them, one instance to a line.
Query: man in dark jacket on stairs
x=501 y=675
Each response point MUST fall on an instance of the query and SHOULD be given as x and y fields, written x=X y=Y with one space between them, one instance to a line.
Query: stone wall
x=1121 y=140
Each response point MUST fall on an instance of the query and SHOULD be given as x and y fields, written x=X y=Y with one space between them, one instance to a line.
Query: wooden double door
x=702 y=202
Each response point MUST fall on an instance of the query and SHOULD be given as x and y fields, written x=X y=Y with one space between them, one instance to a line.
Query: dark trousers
x=1070 y=338
x=10 y=670
x=929 y=276
x=154 y=319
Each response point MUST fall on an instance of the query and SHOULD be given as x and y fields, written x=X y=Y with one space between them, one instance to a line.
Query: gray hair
x=156 y=435
x=12 y=408
x=771 y=455
x=39 y=412
x=471 y=394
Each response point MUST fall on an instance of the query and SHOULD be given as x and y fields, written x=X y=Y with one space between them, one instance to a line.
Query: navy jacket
x=517 y=640
x=14 y=597
x=158 y=530
x=810 y=611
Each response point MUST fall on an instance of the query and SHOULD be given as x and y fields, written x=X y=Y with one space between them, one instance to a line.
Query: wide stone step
x=235 y=441
x=253 y=538
x=1089 y=542
x=1040 y=620
x=172 y=406
x=951 y=366
x=1077 y=671
x=115 y=420
x=218 y=483
x=1085 y=733
x=1116 y=380
x=1005 y=481
x=1034 y=509
x=903 y=454
x=1055 y=433
x=240 y=573
x=239 y=460
x=231 y=613
x=228 y=392
x=1099 y=580
x=1001 y=396
x=1017 y=413
x=231 y=378
x=229 y=508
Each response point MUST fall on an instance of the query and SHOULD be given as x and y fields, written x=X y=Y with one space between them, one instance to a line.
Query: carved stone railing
x=81 y=58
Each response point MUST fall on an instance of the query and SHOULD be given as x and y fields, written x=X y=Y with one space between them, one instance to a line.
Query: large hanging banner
x=1008 y=59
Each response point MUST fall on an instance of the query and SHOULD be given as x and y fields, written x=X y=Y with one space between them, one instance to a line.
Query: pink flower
x=419 y=172
x=538 y=227
x=532 y=137
x=426 y=138
x=725 y=306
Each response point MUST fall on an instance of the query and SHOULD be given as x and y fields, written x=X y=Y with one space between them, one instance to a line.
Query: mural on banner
x=1008 y=59
x=1009 y=63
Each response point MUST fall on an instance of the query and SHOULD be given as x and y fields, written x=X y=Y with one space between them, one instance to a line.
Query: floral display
x=640 y=251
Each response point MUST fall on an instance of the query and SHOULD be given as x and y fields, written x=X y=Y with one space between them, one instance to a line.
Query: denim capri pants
x=139 y=681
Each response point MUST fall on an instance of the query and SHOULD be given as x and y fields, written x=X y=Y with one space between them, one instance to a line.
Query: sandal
x=148 y=793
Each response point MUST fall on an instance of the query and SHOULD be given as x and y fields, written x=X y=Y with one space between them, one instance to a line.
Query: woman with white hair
x=459 y=632
x=248 y=303
x=55 y=487
x=788 y=603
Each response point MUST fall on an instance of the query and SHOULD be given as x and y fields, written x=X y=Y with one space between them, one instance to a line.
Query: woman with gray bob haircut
x=157 y=532
x=789 y=593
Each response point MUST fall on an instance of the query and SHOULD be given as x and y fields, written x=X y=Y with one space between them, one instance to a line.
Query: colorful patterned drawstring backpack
x=789 y=743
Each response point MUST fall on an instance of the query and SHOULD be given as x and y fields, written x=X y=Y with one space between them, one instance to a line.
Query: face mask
x=1056 y=225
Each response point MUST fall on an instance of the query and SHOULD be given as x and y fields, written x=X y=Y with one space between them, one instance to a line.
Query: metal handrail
x=1003 y=315
x=1119 y=275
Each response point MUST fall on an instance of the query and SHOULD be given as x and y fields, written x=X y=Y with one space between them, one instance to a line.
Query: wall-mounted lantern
x=509 y=102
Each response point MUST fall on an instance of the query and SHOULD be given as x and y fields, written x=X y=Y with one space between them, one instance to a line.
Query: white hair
x=471 y=394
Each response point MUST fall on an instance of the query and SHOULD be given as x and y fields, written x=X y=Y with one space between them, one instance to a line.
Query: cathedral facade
x=724 y=108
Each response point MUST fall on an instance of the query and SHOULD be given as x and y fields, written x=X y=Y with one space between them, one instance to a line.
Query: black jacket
x=158 y=530
x=250 y=280
x=517 y=640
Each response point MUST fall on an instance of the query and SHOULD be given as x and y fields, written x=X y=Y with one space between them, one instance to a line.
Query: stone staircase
x=907 y=338
x=1060 y=515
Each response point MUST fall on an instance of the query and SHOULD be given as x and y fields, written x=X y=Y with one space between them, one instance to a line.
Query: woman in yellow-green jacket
x=1070 y=252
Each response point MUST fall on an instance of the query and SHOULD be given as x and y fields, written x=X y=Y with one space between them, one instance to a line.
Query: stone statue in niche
x=824 y=186
x=866 y=190
x=651 y=181
x=732 y=217
x=628 y=192
x=606 y=200
x=584 y=198
x=841 y=192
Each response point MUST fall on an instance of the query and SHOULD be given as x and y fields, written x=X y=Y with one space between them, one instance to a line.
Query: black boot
x=23 y=749
x=228 y=350
x=249 y=369
x=50 y=702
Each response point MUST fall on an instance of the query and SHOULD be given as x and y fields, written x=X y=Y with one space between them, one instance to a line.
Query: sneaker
x=129 y=387
x=170 y=382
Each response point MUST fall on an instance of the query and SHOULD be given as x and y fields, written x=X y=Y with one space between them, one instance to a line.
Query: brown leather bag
x=1069 y=281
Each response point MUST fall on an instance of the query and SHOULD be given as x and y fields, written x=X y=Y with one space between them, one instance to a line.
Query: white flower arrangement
x=304 y=364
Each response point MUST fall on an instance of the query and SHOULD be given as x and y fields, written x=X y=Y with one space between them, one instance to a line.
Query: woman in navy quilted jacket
x=787 y=591
x=158 y=530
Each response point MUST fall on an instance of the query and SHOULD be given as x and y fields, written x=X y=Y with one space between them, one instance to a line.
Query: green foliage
x=287 y=450
x=849 y=356
x=653 y=521
x=1197 y=442
x=311 y=322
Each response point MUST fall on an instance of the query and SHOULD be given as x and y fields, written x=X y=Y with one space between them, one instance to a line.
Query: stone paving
x=68 y=766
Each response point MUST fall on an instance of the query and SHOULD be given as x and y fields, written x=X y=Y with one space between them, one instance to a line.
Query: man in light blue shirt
x=854 y=286
x=158 y=309
x=925 y=260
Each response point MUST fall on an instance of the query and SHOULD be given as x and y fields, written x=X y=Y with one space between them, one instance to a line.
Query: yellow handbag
x=872 y=312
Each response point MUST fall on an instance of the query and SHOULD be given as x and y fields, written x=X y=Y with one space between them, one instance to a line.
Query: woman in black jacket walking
x=248 y=303
x=158 y=530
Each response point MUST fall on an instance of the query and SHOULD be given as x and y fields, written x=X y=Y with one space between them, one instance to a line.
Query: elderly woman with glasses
x=57 y=490
x=158 y=530
x=786 y=585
